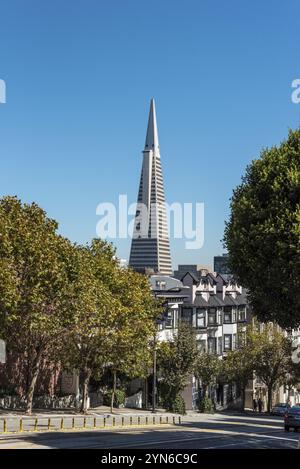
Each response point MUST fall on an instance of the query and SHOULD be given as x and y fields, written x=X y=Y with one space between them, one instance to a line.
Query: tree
x=239 y=366
x=273 y=358
x=129 y=347
x=94 y=312
x=207 y=369
x=33 y=284
x=263 y=233
x=176 y=362
x=112 y=317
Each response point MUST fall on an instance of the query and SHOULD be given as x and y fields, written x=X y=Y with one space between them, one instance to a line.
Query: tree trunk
x=204 y=393
x=32 y=382
x=87 y=375
x=113 y=392
x=270 y=392
x=243 y=397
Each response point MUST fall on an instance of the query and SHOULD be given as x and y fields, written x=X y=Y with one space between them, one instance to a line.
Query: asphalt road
x=196 y=432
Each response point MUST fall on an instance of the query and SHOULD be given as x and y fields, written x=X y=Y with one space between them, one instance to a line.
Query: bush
x=179 y=405
x=206 y=406
x=176 y=405
x=119 y=398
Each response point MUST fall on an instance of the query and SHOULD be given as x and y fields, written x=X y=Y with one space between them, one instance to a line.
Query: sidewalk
x=101 y=410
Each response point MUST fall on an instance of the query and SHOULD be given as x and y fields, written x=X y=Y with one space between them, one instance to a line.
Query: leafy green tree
x=129 y=347
x=273 y=358
x=263 y=233
x=176 y=362
x=33 y=284
x=239 y=367
x=112 y=317
x=207 y=369
x=94 y=311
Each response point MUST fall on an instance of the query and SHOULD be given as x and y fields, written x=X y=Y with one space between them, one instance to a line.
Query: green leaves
x=176 y=359
x=263 y=233
x=69 y=303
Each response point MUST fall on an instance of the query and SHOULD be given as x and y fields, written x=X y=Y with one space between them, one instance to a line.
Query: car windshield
x=281 y=405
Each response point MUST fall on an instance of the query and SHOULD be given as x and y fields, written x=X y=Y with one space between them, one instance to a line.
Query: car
x=292 y=418
x=280 y=409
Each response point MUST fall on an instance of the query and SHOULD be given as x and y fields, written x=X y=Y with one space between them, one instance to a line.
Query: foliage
x=263 y=233
x=207 y=369
x=178 y=405
x=112 y=316
x=206 y=405
x=33 y=284
x=273 y=360
x=69 y=303
x=119 y=397
x=266 y=354
x=239 y=364
x=176 y=363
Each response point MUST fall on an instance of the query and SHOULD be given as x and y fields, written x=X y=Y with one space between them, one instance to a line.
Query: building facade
x=217 y=309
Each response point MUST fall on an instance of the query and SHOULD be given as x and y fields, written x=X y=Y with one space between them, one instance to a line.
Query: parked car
x=280 y=409
x=292 y=418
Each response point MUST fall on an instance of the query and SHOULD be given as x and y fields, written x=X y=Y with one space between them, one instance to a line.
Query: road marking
x=209 y=430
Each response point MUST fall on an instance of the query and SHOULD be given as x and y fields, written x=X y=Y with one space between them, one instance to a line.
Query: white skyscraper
x=150 y=247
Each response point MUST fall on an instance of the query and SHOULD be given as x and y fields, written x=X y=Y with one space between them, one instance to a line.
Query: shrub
x=206 y=406
x=119 y=398
x=176 y=404
x=179 y=405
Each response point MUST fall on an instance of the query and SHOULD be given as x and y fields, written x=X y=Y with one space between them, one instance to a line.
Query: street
x=197 y=431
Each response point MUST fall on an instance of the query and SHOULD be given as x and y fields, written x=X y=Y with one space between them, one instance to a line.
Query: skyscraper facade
x=150 y=247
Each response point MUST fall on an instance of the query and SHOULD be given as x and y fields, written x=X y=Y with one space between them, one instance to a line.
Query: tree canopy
x=69 y=303
x=263 y=233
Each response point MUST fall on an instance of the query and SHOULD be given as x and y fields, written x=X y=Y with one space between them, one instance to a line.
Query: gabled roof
x=241 y=299
x=229 y=300
x=191 y=274
x=213 y=301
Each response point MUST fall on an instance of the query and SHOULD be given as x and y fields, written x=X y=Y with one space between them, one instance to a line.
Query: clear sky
x=80 y=75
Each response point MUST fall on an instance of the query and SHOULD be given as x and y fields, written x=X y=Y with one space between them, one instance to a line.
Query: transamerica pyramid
x=150 y=247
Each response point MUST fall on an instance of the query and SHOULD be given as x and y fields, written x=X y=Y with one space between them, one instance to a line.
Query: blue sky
x=80 y=75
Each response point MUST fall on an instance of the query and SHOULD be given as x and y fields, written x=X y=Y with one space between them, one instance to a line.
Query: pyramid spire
x=150 y=246
x=152 y=133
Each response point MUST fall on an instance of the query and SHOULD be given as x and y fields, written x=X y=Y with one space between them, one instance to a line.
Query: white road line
x=225 y=433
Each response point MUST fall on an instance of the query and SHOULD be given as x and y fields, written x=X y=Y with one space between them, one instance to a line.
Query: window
x=169 y=319
x=212 y=317
x=220 y=345
x=227 y=342
x=200 y=318
x=219 y=316
x=242 y=314
x=233 y=314
x=161 y=285
x=186 y=315
x=212 y=345
x=227 y=315
x=234 y=341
